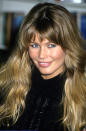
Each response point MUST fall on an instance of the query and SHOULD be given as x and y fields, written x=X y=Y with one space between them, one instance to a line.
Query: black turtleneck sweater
x=43 y=111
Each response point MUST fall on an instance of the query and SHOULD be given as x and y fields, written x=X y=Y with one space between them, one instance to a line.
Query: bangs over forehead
x=44 y=28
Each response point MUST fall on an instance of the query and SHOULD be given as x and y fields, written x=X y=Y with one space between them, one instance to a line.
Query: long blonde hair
x=15 y=80
x=56 y=24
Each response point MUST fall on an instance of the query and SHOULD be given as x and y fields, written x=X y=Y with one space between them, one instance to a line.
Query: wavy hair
x=55 y=23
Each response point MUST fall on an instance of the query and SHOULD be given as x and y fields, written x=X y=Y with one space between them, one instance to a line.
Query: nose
x=42 y=53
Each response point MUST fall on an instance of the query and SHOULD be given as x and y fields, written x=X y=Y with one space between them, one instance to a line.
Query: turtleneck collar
x=48 y=87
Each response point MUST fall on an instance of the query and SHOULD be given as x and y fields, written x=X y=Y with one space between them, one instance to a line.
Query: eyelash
x=35 y=45
x=51 y=45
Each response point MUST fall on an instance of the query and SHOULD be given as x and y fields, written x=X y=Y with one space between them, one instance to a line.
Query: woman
x=43 y=84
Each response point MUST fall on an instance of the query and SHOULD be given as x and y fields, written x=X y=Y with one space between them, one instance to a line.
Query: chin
x=45 y=72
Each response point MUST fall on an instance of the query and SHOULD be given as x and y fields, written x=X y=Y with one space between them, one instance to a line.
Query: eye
x=51 y=45
x=34 y=45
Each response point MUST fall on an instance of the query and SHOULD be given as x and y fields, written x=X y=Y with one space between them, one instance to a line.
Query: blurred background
x=12 y=13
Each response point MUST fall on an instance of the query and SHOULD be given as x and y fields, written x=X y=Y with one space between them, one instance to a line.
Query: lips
x=44 y=64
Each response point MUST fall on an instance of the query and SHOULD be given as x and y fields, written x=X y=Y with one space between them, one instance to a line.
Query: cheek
x=32 y=54
x=58 y=53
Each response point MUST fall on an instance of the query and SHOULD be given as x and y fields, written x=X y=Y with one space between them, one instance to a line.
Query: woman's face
x=47 y=57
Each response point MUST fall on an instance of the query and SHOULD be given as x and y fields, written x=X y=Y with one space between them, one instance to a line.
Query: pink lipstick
x=44 y=64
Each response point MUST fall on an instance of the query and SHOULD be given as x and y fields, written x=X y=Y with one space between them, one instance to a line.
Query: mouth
x=44 y=64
